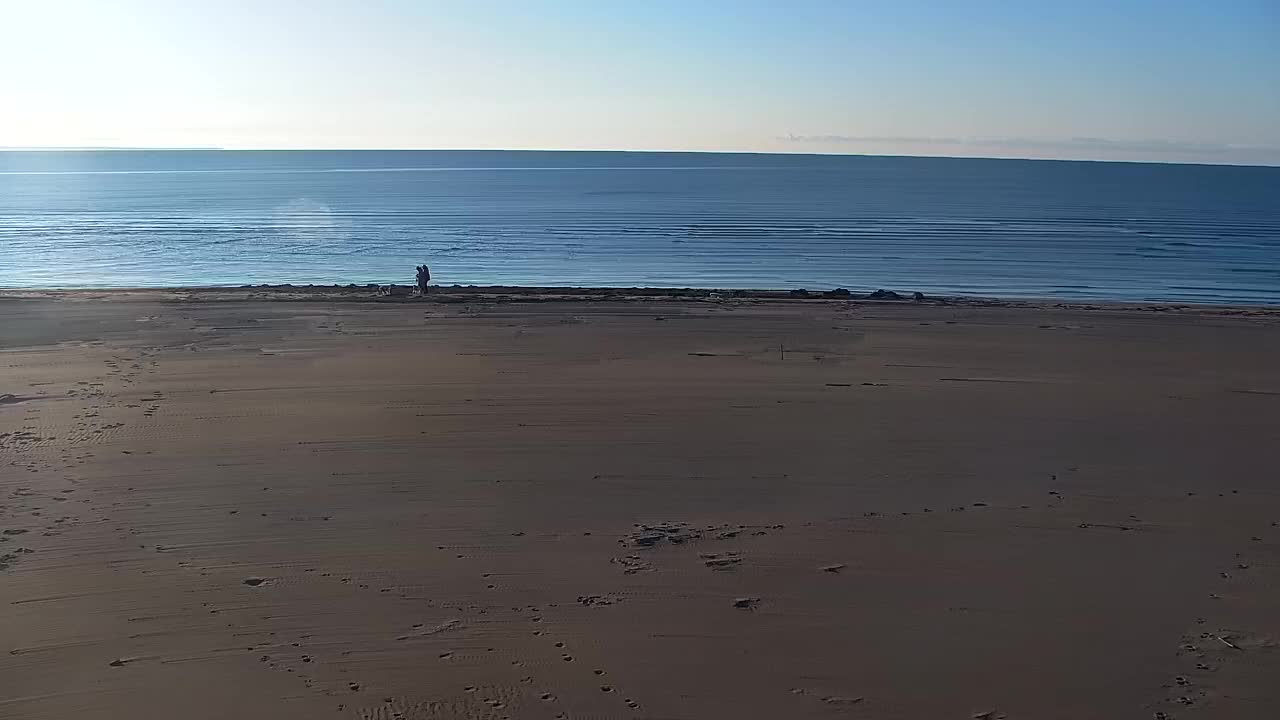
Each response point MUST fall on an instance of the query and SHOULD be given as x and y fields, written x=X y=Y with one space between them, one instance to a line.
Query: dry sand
x=221 y=507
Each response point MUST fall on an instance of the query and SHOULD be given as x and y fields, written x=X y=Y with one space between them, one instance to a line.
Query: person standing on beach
x=424 y=277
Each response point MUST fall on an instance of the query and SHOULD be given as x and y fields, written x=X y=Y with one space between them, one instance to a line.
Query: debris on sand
x=746 y=603
x=675 y=533
x=631 y=564
x=721 y=561
x=420 y=630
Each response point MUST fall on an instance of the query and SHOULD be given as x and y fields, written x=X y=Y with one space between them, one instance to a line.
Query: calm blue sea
x=1012 y=228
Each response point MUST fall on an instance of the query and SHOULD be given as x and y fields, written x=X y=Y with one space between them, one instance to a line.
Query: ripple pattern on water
x=992 y=227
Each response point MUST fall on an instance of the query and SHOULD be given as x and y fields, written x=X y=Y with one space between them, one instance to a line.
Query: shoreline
x=458 y=294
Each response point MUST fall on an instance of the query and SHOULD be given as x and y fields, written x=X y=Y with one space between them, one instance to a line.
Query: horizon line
x=73 y=148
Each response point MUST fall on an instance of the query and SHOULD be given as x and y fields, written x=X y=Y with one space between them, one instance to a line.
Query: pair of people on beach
x=424 y=277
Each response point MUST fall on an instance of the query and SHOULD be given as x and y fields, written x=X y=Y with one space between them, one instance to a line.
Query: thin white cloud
x=1057 y=146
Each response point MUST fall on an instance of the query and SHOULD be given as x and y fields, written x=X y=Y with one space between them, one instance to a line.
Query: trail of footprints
x=298 y=655
x=1207 y=648
x=494 y=701
x=33 y=512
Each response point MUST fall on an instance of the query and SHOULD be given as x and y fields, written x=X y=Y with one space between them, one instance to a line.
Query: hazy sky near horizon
x=1170 y=80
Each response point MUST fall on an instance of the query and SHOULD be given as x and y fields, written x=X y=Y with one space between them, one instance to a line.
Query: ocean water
x=1005 y=228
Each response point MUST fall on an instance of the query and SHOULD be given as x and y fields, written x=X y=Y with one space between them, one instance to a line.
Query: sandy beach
x=275 y=504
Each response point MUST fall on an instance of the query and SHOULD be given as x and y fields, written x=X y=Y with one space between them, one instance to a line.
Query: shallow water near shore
x=1010 y=228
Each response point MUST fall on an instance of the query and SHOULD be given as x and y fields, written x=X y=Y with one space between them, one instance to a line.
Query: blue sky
x=1172 y=80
